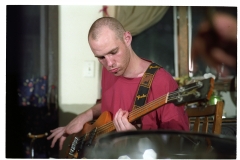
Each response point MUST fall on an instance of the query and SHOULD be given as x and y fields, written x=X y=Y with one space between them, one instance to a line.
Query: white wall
x=76 y=92
x=74 y=23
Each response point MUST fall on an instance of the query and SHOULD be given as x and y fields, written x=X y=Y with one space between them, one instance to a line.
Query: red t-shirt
x=119 y=92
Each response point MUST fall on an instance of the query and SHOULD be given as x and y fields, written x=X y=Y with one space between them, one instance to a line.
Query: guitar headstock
x=193 y=92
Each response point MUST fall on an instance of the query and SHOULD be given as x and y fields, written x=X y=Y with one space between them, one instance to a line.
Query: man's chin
x=117 y=73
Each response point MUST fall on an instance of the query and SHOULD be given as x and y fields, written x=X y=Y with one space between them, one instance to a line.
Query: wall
x=76 y=92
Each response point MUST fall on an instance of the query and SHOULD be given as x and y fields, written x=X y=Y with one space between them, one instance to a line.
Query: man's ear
x=127 y=38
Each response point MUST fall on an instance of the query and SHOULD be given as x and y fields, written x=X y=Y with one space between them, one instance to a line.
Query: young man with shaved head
x=121 y=74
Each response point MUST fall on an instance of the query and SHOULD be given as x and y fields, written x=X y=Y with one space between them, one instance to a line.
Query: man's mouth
x=114 y=70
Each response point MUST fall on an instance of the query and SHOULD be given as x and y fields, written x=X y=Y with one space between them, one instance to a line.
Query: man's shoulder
x=163 y=72
x=164 y=77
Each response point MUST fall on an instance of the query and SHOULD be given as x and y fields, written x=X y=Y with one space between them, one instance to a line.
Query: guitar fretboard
x=135 y=114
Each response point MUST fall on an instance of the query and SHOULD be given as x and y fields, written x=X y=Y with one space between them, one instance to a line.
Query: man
x=121 y=75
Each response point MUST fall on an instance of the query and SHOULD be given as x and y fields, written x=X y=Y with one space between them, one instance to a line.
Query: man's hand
x=61 y=133
x=74 y=126
x=58 y=133
x=121 y=121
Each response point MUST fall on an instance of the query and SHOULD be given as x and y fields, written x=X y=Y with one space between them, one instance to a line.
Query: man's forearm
x=93 y=113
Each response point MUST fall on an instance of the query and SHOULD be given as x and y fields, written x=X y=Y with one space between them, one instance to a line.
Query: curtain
x=138 y=18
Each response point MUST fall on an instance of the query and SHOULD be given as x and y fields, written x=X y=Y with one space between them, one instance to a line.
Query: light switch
x=88 y=70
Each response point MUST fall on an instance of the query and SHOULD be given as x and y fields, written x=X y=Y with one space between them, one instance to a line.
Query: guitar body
x=104 y=118
x=197 y=91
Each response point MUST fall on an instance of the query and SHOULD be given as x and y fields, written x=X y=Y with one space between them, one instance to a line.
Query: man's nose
x=109 y=60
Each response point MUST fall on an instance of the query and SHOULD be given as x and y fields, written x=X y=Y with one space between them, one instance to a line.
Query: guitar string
x=110 y=124
x=133 y=113
x=137 y=111
x=158 y=101
x=170 y=97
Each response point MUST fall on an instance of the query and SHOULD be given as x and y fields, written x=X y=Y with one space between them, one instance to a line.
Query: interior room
x=52 y=75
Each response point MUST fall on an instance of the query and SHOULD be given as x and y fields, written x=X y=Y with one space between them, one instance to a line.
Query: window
x=157 y=42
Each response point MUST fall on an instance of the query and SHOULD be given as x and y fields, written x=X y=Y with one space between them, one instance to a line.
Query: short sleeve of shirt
x=167 y=116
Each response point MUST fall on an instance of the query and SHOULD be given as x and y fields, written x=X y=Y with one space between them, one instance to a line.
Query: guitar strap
x=145 y=84
x=143 y=89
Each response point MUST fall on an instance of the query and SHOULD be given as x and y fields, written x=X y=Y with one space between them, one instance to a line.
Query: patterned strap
x=145 y=84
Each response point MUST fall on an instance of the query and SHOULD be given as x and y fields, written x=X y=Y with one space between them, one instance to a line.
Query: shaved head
x=111 y=23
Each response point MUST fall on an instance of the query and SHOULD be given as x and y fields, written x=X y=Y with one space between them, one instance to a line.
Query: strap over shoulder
x=145 y=84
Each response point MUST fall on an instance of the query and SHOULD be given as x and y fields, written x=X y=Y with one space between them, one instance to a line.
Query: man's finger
x=120 y=121
x=55 y=132
x=62 y=139
x=115 y=121
x=57 y=136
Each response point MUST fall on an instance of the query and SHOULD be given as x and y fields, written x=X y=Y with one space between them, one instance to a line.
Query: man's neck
x=136 y=67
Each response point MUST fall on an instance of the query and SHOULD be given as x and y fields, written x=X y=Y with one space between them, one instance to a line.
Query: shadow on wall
x=65 y=118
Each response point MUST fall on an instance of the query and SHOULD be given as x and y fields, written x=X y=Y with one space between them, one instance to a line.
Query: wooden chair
x=205 y=115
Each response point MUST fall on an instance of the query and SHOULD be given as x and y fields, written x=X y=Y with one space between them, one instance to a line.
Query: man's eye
x=101 y=57
x=114 y=52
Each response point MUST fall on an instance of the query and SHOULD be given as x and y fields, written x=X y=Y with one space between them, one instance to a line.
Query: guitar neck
x=196 y=91
x=141 y=111
x=136 y=113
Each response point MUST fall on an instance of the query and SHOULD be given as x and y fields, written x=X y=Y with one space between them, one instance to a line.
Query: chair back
x=205 y=115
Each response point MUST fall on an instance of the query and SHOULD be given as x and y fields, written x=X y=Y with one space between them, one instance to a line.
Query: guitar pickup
x=73 y=146
x=91 y=136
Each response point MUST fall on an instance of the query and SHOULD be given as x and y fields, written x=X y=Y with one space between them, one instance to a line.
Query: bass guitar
x=197 y=91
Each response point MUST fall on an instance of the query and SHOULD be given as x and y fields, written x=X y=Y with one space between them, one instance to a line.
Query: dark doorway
x=32 y=34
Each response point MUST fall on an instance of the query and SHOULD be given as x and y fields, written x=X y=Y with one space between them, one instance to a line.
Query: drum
x=162 y=145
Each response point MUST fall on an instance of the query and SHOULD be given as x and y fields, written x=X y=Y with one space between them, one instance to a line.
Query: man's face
x=111 y=52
